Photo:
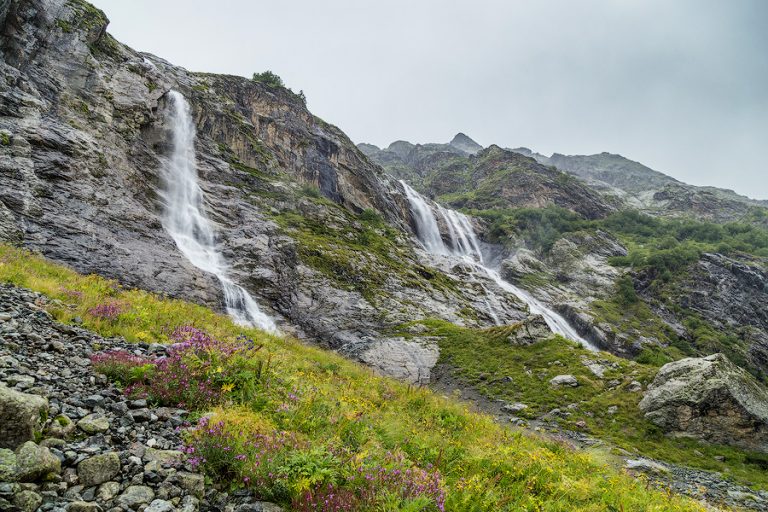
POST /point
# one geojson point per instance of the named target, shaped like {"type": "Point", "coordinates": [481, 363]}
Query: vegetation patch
{"type": "Point", "coordinates": [604, 407]}
{"type": "Point", "coordinates": [324, 418]}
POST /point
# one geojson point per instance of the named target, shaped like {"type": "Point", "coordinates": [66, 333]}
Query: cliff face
{"type": "Point", "coordinates": [308, 224]}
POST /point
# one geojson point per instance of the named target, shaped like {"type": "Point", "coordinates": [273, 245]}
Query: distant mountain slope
{"type": "Point", "coordinates": [652, 191]}
{"type": "Point", "coordinates": [461, 175]}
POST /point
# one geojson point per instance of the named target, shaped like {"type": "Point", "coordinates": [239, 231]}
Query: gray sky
{"type": "Point", "coordinates": [679, 85]}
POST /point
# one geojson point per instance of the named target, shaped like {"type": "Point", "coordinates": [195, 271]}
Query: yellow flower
{"type": "Point", "coordinates": [219, 369]}
{"type": "Point", "coordinates": [227, 387]}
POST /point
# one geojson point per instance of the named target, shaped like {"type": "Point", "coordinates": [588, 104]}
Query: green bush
{"type": "Point", "coordinates": [268, 78]}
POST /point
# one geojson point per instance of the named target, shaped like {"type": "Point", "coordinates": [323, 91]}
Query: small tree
{"type": "Point", "coordinates": [269, 78]}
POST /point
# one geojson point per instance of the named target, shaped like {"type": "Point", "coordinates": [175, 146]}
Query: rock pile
{"type": "Point", "coordinates": [70, 441]}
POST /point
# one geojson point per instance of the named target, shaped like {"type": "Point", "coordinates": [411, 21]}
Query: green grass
{"type": "Point", "coordinates": [358, 252]}
{"type": "Point", "coordinates": [486, 361]}
{"type": "Point", "coordinates": [340, 404]}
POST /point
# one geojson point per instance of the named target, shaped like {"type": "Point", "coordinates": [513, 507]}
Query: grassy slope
{"type": "Point", "coordinates": [485, 360]}
{"type": "Point", "coordinates": [484, 466]}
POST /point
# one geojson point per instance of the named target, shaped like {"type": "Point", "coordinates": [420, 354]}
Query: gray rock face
{"type": "Point", "coordinates": [709, 398]}
{"type": "Point", "coordinates": [21, 416]}
{"type": "Point", "coordinates": [80, 174]}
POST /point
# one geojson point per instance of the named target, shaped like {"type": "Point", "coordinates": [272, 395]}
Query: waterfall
{"type": "Point", "coordinates": [426, 223]}
{"type": "Point", "coordinates": [185, 219]}
{"type": "Point", "coordinates": [465, 244]}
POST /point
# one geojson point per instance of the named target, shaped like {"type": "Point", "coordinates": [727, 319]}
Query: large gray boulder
{"type": "Point", "coordinates": [35, 462]}
{"type": "Point", "coordinates": [709, 398]}
{"type": "Point", "coordinates": [21, 416]}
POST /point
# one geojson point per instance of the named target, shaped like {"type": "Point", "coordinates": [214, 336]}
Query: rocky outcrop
{"type": "Point", "coordinates": [83, 139]}
{"type": "Point", "coordinates": [709, 398]}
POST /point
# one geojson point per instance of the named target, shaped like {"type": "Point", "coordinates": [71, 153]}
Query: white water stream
{"type": "Point", "coordinates": [185, 219]}
{"type": "Point", "coordinates": [465, 245]}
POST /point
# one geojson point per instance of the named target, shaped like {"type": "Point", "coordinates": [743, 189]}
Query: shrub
{"type": "Point", "coordinates": [268, 78]}
{"type": "Point", "coordinates": [107, 311]}
{"type": "Point", "coordinates": [122, 366]}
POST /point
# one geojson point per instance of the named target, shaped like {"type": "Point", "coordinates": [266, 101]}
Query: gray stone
{"type": "Point", "coordinates": [94, 424]}
{"type": "Point", "coordinates": [83, 506]}
{"type": "Point", "coordinates": [564, 380]}
{"type": "Point", "coordinates": [21, 416]}
{"type": "Point", "coordinates": [529, 331]}
{"type": "Point", "coordinates": [61, 426]}
{"type": "Point", "coordinates": [135, 496]}
{"type": "Point", "coordinates": [193, 483]}
{"type": "Point", "coordinates": [107, 491]}
{"type": "Point", "coordinates": [98, 469]}
{"type": "Point", "coordinates": [259, 506]}
{"type": "Point", "coordinates": [7, 465]}
{"type": "Point", "coordinates": [34, 462]}
{"type": "Point", "coordinates": [166, 457]}
{"type": "Point", "coordinates": [646, 466]}
{"type": "Point", "coordinates": [709, 398]}
{"type": "Point", "coordinates": [160, 506]}
{"type": "Point", "coordinates": [514, 408]}
{"type": "Point", "coordinates": [27, 501]}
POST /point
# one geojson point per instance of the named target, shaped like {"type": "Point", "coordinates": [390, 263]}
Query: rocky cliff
{"type": "Point", "coordinates": [318, 233]}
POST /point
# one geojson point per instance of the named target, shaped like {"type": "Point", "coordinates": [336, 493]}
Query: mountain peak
{"type": "Point", "coordinates": [466, 144]}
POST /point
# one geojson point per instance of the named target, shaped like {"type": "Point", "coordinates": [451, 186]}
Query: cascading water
{"type": "Point", "coordinates": [464, 244]}
{"type": "Point", "coordinates": [185, 220]}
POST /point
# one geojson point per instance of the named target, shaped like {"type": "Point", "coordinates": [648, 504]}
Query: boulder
{"type": "Point", "coordinates": [709, 398]}
{"type": "Point", "coordinates": [7, 465]}
{"type": "Point", "coordinates": [34, 462]}
{"type": "Point", "coordinates": [83, 506]}
{"type": "Point", "coordinates": [135, 496]}
{"type": "Point", "coordinates": [27, 501]}
{"type": "Point", "coordinates": [98, 469]}
{"type": "Point", "coordinates": [529, 331]}
{"type": "Point", "coordinates": [21, 416]}
{"type": "Point", "coordinates": [94, 424]}
{"type": "Point", "coordinates": [564, 381]}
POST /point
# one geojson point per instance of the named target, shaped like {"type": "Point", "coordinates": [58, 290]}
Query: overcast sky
{"type": "Point", "coordinates": [679, 85]}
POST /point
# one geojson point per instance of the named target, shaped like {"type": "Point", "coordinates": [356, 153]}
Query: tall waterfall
{"type": "Point", "coordinates": [185, 219]}
{"type": "Point", "coordinates": [464, 244]}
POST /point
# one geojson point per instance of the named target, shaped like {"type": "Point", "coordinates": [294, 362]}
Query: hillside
{"type": "Point", "coordinates": [425, 327]}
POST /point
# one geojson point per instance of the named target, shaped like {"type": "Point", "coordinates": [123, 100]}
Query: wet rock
{"type": "Point", "coordinates": [21, 416]}
{"type": "Point", "coordinates": [709, 398]}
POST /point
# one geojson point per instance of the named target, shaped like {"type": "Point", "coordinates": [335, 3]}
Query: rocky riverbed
{"type": "Point", "coordinates": [71, 441]}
